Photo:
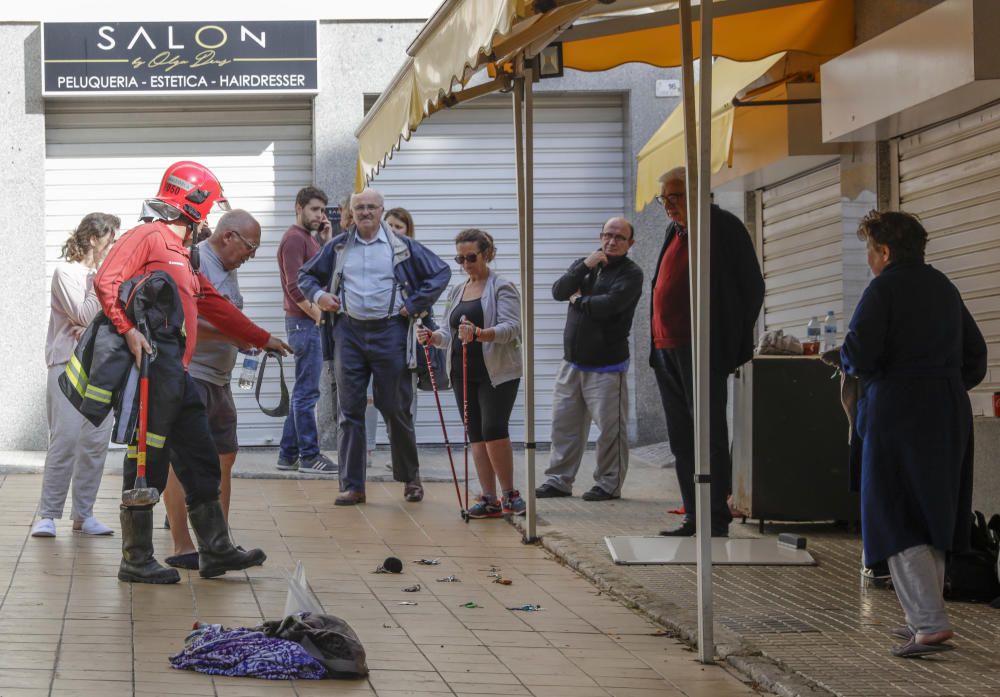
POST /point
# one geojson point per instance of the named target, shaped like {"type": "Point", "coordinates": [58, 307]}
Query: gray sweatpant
{"type": "Point", "coordinates": [578, 398]}
{"type": "Point", "coordinates": [918, 577]}
{"type": "Point", "coordinates": [77, 451]}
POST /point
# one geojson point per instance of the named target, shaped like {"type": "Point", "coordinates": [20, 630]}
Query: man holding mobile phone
{"type": "Point", "coordinates": [300, 439]}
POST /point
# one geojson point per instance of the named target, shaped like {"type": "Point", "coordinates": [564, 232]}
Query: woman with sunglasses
{"type": "Point", "coordinates": [484, 313]}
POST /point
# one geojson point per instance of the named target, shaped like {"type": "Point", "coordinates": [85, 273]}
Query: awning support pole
{"type": "Point", "coordinates": [524, 165]}
{"type": "Point", "coordinates": [698, 148]}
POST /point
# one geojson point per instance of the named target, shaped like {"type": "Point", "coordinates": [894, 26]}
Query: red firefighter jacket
{"type": "Point", "coordinates": [154, 247]}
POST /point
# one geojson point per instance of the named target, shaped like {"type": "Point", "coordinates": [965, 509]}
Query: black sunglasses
{"type": "Point", "coordinates": [470, 258]}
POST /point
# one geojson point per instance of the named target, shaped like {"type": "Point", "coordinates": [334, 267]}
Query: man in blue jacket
{"type": "Point", "coordinates": [372, 284]}
{"type": "Point", "coordinates": [737, 294]}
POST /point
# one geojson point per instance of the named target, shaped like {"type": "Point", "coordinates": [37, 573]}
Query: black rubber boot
{"type": "Point", "coordinates": [138, 564]}
{"type": "Point", "coordinates": [216, 552]}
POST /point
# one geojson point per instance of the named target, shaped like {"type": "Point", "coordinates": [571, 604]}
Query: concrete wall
{"type": "Point", "coordinates": [873, 18]}
{"type": "Point", "coordinates": [24, 310]}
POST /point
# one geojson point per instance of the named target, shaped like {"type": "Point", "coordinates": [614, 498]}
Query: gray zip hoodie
{"type": "Point", "coordinates": [501, 311]}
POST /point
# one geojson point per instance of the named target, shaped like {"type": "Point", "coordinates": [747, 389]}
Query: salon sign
{"type": "Point", "coordinates": [165, 58]}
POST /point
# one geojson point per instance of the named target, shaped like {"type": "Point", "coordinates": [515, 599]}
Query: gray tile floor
{"type": "Point", "coordinates": [69, 628]}
{"type": "Point", "coordinates": [818, 622]}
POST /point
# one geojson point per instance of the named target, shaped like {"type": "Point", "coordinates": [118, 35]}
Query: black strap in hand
{"type": "Point", "coordinates": [282, 408]}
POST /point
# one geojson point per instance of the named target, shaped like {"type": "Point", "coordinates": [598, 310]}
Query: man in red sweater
{"type": "Point", "coordinates": [736, 297]}
{"type": "Point", "coordinates": [187, 192]}
{"type": "Point", "coordinates": [299, 438]}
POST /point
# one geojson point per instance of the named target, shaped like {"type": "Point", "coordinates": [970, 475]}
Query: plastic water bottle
{"type": "Point", "coordinates": [249, 374]}
{"type": "Point", "coordinates": [830, 331]}
{"type": "Point", "coordinates": [814, 330]}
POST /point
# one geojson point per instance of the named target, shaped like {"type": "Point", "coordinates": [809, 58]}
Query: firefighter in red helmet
{"type": "Point", "coordinates": [187, 193]}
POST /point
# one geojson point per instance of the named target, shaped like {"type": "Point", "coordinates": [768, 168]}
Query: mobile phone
{"type": "Point", "coordinates": [333, 214]}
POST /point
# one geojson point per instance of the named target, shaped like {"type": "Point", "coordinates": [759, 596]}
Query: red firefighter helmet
{"type": "Point", "coordinates": [190, 190]}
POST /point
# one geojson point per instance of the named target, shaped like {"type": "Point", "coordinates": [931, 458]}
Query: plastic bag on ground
{"type": "Point", "coordinates": [300, 597]}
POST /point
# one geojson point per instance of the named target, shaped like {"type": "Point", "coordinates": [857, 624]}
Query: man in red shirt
{"type": "Point", "coordinates": [187, 192]}
{"type": "Point", "coordinates": [300, 438]}
{"type": "Point", "coordinates": [737, 294]}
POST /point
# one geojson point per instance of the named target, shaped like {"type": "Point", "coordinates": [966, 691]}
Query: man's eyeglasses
{"type": "Point", "coordinates": [613, 237]}
{"type": "Point", "coordinates": [250, 245]}
{"type": "Point", "coordinates": [673, 199]}
{"type": "Point", "coordinates": [366, 207]}
{"type": "Point", "coordinates": [463, 258]}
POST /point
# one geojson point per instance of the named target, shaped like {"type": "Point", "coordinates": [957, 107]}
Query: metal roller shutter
{"type": "Point", "coordinates": [949, 175]}
{"type": "Point", "coordinates": [109, 156]}
{"type": "Point", "coordinates": [458, 172]}
{"type": "Point", "coordinates": [802, 250]}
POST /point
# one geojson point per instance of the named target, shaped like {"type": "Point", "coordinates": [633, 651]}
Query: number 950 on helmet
{"type": "Point", "coordinates": [190, 189]}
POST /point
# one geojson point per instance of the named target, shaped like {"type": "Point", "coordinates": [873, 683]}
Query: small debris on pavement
{"type": "Point", "coordinates": [471, 604]}
{"type": "Point", "coordinates": [390, 566]}
{"type": "Point", "coordinates": [427, 562]}
{"type": "Point", "coordinates": [407, 602]}
{"type": "Point", "coordinates": [412, 589]}
{"type": "Point", "coordinates": [659, 632]}
{"type": "Point", "coordinates": [503, 581]}
{"type": "Point", "coordinates": [527, 608]}
{"type": "Point", "coordinates": [450, 579]}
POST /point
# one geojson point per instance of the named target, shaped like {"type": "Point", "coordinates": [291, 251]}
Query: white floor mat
{"type": "Point", "coordinates": [682, 550]}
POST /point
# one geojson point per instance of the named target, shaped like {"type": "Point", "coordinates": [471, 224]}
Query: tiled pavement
{"type": "Point", "coordinates": [68, 627]}
{"type": "Point", "coordinates": [818, 626]}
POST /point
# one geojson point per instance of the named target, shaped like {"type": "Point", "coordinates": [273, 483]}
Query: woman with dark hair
{"type": "Point", "coordinates": [917, 351]}
{"type": "Point", "coordinates": [77, 449]}
{"type": "Point", "coordinates": [484, 313]}
{"type": "Point", "coordinates": [400, 221]}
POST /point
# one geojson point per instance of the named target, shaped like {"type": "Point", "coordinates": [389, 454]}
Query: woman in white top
{"type": "Point", "coordinates": [77, 449]}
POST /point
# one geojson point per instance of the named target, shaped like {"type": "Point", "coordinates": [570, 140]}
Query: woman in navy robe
{"type": "Point", "coordinates": [918, 351]}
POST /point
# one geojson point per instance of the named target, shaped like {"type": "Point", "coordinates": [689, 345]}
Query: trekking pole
{"type": "Point", "coordinates": [444, 429]}
{"type": "Point", "coordinates": [465, 413]}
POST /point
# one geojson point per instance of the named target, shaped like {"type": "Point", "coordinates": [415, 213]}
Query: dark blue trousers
{"type": "Point", "coordinates": [674, 377]}
{"type": "Point", "coordinates": [374, 349]}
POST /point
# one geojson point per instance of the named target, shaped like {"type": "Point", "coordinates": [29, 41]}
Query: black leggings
{"type": "Point", "coordinates": [489, 408]}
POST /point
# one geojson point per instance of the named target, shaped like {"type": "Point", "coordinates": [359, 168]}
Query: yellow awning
{"type": "Point", "coordinates": [462, 37]}
{"type": "Point", "coordinates": [665, 150]}
{"type": "Point", "coordinates": [465, 35]}
{"type": "Point", "coordinates": [449, 45]}
{"type": "Point", "coordinates": [821, 28]}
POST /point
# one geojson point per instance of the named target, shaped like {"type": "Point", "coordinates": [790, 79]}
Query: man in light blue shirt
{"type": "Point", "coordinates": [369, 290]}
{"type": "Point", "coordinates": [372, 283]}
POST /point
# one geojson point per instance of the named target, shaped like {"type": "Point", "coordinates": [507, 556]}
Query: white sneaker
{"type": "Point", "coordinates": [45, 527]}
{"type": "Point", "coordinates": [92, 526]}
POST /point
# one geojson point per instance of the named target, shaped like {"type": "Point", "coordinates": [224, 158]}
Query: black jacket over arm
{"type": "Point", "coordinates": [598, 324]}
{"type": "Point", "coordinates": [737, 290]}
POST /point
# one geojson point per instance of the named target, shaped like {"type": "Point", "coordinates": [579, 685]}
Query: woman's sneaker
{"type": "Point", "coordinates": [486, 508]}
{"type": "Point", "coordinates": [513, 503]}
